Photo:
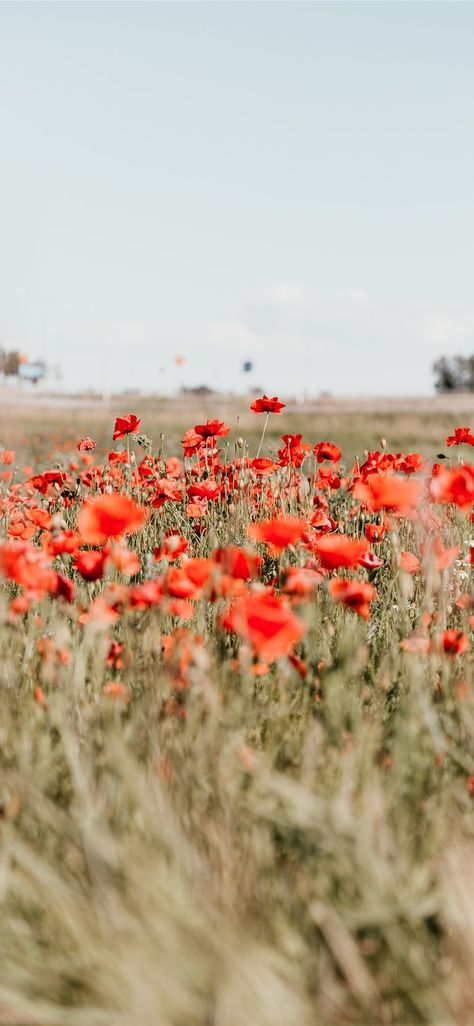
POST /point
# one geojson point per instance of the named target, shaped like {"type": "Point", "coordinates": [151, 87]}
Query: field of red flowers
{"type": "Point", "coordinates": [236, 732]}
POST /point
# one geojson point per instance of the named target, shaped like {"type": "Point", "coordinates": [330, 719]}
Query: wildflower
{"type": "Point", "coordinates": [461, 435]}
{"type": "Point", "coordinates": [335, 550]}
{"type": "Point", "coordinates": [85, 444]}
{"type": "Point", "coordinates": [386, 491]}
{"type": "Point", "coordinates": [327, 451]}
{"type": "Point", "coordinates": [293, 452]}
{"type": "Point", "coordinates": [279, 533]}
{"type": "Point", "coordinates": [205, 490]}
{"type": "Point", "coordinates": [301, 581]}
{"type": "Point", "coordinates": [375, 532]}
{"type": "Point", "coordinates": [357, 595]}
{"type": "Point", "coordinates": [409, 563]}
{"type": "Point", "coordinates": [454, 486]}
{"type": "Point", "coordinates": [166, 491]}
{"type": "Point", "coordinates": [212, 429]}
{"type": "Point", "coordinates": [192, 442]}
{"type": "Point", "coordinates": [126, 425]}
{"type": "Point", "coordinates": [370, 561]}
{"type": "Point", "coordinates": [238, 563]}
{"type": "Point", "coordinates": [172, 548]}
{"type": "Point", "coordinates": [266, 622]}
{"type": "Point", "coordinates": [266, 405]}
{"type": "Point", "coordinates": [90, 564]}
{"type": "Point", "coordinates": [262, 466]}
{"type": "Point", "coordinates": [454, 642]}
{"type": "Point", "coordinates": [109, 516]}
{"type": "Point", "coordinates": [125, 560]}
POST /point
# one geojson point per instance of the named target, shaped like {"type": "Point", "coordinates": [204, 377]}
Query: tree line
{"type": "Point", "coordinates": [454, 374]}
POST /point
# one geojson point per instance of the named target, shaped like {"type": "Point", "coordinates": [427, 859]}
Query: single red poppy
{"type": "Point", "coordinates": [327, 451]}
{"type": "Point", "coordinates": [267, 405]}
{"type": "Point", "coordinates": [357, 595]}
{"type": "Point", "coordinates": [267, 622]}
{"type": "Point", "coordinates": [126, 425]}
{"type": "Point", "coordinates": [109, 516]}
{"type": "Point", "coordinates": [461, 435]}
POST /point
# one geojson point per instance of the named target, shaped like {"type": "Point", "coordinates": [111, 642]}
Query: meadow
{"type": "Point", "coordinates": [236, 714]}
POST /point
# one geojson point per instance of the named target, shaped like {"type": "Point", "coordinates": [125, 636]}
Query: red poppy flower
{"type": "Point", "coordinates": [192, 442]}
{"type": "Point", "coordinates": [205, 490]}
{"type": "Point", "coordinates": [266, 405]}
{"type": "Point", "coordinates": [461, 435]}
{"type": "Point", "coordinates": [454, 486]}
{"type": "Point", "coordinates": [143, 596]}
{"type": "Point", "coordinates": [212, 429]}
{"type": "Point", "coordinates": [293, 452]}
{"type": "Point", "coordinates": [64, 541]}
{"type": "Point", "coordinates": [327, 451]}
{"type": "Point", "coordinates": [335, 550]}
{"type": "Point", "coordinates": [301, 581]}
{"type": "Point", "coordinates": [385, 491]}
{"type": "Point", "coordinates": [262, 466]}
{"type": "Point", "coordinates": [375, 532]}
{"type": "Point", "coordinates": [198, 508]}
{"type": "Point", "coordinates": [7, 456]}
{"type": "Point", "coordinates": [173, 546]}
{"type": "Point", "coordinates": [412, 463]}
{"type": "Point", "coordinates": [109, 516]}
{"type": "Point", "coordinates": [166, 491]}
{"type": "Point", "coordinates": [357, 595]}
{"type": "Point", "coordinates": [126, 425]}
{"type": "Point", "coordinates": [118, 457]}
{"type": "Point", "coordinates": [179, 585]}
{"type": "Point", "coordinates": [29, 567]}
{"type": "Point", "coordinates": [266, 622]}
{"type": "Point", "coordinates": [278, 533]}
{"type": "Point", "coordinates": [409, 563]}
{"type": "Point", "coordinates": [238, 563]}
{"type": "Point", "coordinates": [370, 561]}
{"type": "Point", "coordinates": [125, 560]}
{"type": "Point", "coordinates": [454, 642]}
{"type": "Point", "coordinates": [91, 563]}
{"type": "Point", "coordinates": [85, 444]}
{"type": "Point", "coordinates": [40, 517]}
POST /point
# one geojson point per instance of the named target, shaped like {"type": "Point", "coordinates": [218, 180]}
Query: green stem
{"type": "Point", "coordinates": [263, 435]}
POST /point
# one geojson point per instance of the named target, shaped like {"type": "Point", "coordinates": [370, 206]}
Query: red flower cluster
{"type": "Point", "coordinates": [143, 535]}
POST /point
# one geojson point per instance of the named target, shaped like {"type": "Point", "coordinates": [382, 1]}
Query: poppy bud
{"type": "Point", "coordinates": [383, 443]}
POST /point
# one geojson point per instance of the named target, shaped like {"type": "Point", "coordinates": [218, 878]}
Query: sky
{"type": "Point", "coordinates": [286, 183]}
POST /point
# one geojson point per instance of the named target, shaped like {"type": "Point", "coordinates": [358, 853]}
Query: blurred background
{"type": "Point", "coordinates": [270, 196]}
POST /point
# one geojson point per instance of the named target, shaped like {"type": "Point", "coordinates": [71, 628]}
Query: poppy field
{"type": "Point", "coordinates": [236, 729]}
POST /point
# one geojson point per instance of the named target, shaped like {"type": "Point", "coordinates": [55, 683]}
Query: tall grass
{"type": "Point", "coordinates": [227, 850]}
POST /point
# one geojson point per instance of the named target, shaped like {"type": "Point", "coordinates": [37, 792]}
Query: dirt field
{"type": "Point", "coordinates": [34, 423]}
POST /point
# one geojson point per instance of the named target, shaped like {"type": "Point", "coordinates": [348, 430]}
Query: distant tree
{"type": "Point", "coordinates": [9, 362]}
{"type": "Point", "coordinates": [199, 390]}
{"type": "Point", "coordinates": [455, 374]}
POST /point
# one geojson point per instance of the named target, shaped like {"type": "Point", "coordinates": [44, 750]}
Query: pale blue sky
{"type": "Point", "coordinates": [285, 183]}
